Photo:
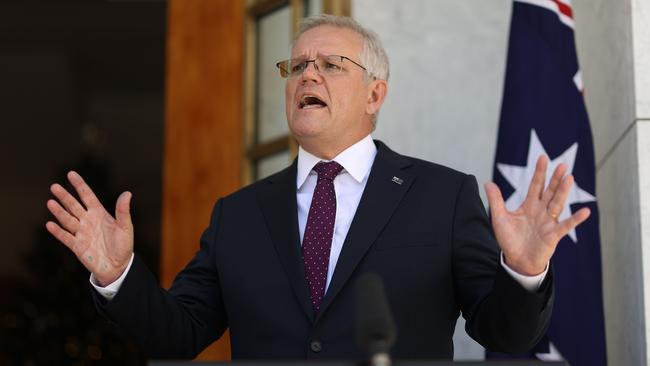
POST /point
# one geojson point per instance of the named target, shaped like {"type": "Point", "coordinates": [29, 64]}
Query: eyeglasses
{"type": "Point", "coordinates": [327, 65]}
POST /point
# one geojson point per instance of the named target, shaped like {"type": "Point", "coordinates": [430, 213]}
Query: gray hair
{"type": "Point", "coordinates": [373, 56]}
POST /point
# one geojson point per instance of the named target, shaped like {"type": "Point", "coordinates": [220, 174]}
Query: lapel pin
{"type": "Point", "coordinates": [398, 180]}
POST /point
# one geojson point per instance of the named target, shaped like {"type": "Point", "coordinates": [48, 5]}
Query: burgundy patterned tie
{"type": "Point", "coordinates": [319, 230]}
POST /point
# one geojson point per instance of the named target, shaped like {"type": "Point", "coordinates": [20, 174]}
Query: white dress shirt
{"type": "Point", "coordinates": [356, 161]}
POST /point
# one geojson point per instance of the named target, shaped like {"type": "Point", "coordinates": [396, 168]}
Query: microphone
{"type": "Point", "coordinates": [376, 331]}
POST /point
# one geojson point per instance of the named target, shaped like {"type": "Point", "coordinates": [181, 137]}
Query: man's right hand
{"type": "Point", "coordinates": [103, 244]}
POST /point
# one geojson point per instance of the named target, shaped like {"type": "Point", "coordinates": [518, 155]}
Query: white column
{"type": "Point", "coordinates": [614, 49]}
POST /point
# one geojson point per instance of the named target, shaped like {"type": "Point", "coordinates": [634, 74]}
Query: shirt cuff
{"type": "Point", "coordinates": [111, 290]}
{"type": "Point", "coordinates": [530, 283]}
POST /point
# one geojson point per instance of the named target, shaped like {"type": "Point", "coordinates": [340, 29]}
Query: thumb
{"type": "Point", "coordinates": [123, 210]}
{"type": "Point", "coordinates": [495, 200]}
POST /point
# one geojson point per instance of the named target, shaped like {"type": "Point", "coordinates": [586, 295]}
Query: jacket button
{"type": "Point", "coordinates": [316, 346]}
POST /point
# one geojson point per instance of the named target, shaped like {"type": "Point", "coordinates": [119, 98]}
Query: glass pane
{"type": "Point", "coordinates": [313, 7]}
{"type": "Point", "coordinates": [272, 164]}
{"type": "Point", "coordinates": [274, 39]}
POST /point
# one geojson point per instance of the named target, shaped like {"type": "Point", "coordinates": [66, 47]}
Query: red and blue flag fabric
{"type": "Point", "coordinates": [543, 112]}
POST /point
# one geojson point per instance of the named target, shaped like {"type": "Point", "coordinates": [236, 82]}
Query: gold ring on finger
{"type": "Point", "coordinates": [553, 215]}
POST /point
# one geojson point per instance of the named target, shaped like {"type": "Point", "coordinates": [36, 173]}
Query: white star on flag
{"type": "Point", "coordinates": [552, 355]}
{"type": "Point", "coordinates": [519, 178]}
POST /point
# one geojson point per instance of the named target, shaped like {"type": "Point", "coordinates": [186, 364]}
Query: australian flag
{"type": "Point", "coordinates": [543, 112]}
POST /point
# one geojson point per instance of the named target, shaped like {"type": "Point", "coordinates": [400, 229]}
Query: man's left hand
{"type": "Point", "coordinates": [529, 235]}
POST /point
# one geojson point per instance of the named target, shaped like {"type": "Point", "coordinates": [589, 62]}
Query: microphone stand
{"type": "Point", "coordinates": [376, 331]}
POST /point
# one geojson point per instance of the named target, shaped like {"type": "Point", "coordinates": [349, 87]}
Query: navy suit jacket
{"type": "Point", "coordinates": [428, 237]}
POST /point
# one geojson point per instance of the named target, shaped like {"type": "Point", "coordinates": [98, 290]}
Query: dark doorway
{"type": "Point", "coordinates": [81, 87]}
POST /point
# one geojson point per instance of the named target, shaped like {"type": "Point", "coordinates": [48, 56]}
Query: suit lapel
{"type": "Point", "coordinates": [278, 203]}
{"type": "Point", "coordinates": [386, 186]}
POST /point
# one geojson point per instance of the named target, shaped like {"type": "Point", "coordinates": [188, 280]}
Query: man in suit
{"type": "Point", "coordinates": [278, 261]}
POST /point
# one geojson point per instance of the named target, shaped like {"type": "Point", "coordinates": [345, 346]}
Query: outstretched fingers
{"type": "Point", "coordinates": [495, 200]}
{"type": "Point", "coordinates": [553, 185]}
{"type": "Point", "coordinates": [123, 211]}
{"type": "Point", "coordinates": [67, 200]}
{"type": "Point", "coordinates": [536, 187]}
{"type": "Point", "coordinates": [69, 222]}
{"type": "Point", "coordinates": [574, 220]}
{"type": "Point", "coordinates": [556, 205]}
{"type": "Point", "coordinates": [61, 235]}
{"type": "Point", "coordinates": [83, 190]}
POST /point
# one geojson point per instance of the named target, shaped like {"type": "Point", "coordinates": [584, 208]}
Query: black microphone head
{"type": "Point", "coordinates": [375, 325]}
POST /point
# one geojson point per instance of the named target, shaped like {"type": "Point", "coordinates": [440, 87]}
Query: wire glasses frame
{"type": "Point", "coordinates": [328, 65]}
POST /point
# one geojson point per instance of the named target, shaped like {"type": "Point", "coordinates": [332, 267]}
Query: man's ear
{"type": "Point", "coordinates": [377, 90]}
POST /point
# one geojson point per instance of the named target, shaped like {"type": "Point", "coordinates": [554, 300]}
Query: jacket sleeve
{"type": "Point", "coordinates": [178, 323]}
{"type": "Point", "coordinates": [501, 315]}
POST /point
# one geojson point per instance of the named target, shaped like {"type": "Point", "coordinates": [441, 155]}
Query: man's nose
{"type": "Point", "coordinates": [311, 72]}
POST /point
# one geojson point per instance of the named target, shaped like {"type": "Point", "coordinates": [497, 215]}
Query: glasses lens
{"type": "Point", "coordinates": [297, 66]}
{"type": "Point", "coordinates": [331, 64]}
{"type": "Point", "coordinates": [325, 64]}
{"type": "Point", "coordinates": [283, 66]}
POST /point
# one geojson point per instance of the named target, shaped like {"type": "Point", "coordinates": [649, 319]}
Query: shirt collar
{"type": "Point", "coordinates": [356, 160]}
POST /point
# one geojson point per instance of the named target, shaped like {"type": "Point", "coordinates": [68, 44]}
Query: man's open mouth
{"type": "Point", "coordinates": [311, 102]}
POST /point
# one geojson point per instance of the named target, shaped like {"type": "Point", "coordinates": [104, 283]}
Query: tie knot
{"type": "Point", "coordinates": [328, 170]}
